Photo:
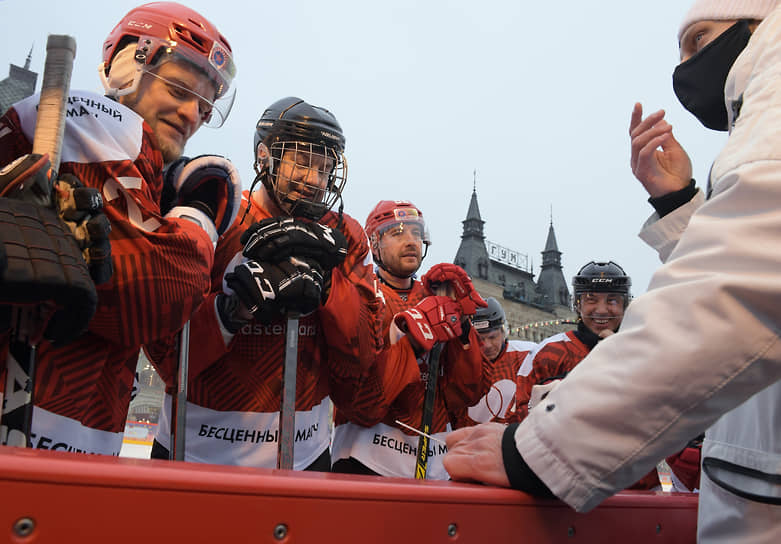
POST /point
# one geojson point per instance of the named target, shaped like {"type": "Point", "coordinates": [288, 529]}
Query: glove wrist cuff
{"type": "Point", "coordinates": [227, 312]}
{"type": "Point", "coordinates": [196, 216]}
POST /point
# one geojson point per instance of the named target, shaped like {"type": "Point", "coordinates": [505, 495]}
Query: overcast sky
{"type": "Point", "coordinates": [536, 101]}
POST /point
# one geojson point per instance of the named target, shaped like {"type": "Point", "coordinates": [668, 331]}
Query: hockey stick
{"type": "Point", "coordinates": [421, 461]}
{"type": "Point", "coordinates": [17, 413]}
{"type": "Point", "coordinates": [179, 400]}
{"type": "Point", "coordinates": [287, 412]}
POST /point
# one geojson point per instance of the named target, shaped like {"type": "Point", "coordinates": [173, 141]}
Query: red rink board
{"type": "Point", "coordinates": [79, 498]}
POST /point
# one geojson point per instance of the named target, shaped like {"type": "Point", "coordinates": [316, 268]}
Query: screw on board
{"type": "Point", "coordinates": [280, 531]}
{"type": "Point", "coordinates": [570, 532]}
{"type": "Point", "coordinates": [658, 528]}
{"type": "Point", "coordinates": [24, 527]}
{"type": "Point", "coordinates": [452, 530]}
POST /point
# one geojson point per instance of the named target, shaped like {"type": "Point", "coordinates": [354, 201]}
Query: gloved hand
{"type": "Point", "coordinates": [434, 319]}
{"type": "Point", "coordinates": [539, 392]}
{"type": "Point", "coordinates": [462, 289]}
{"type": "Point", "coordinates": [29, 178]}
{"type": "Point", "coordinates": [44, 269]}
{"type": "Point", "coordinates": [278, 238]}
{"type": "Point", "coordinates": [268, 291]}
{"type": "Point", "coordinates": [81, 209]}
{"type": "Point", "coordinates": [208, 183]}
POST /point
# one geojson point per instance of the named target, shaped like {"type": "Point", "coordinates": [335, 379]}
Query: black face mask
{"type": "Point", "coordinates": [699, 82]}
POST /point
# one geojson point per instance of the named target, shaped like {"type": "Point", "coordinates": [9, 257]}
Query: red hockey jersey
{"type": "Point", "coordinates": [387, 448]}
{"type": "Point", "coordinates": [235, 389]}
{"type": "Point", "coordinates": [498, 404]}
{"type": "Point", "coordinates": [161, 272]}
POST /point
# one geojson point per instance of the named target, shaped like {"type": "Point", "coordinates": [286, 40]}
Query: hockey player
{"type": "Point", "coordinates": [700, 349]}
{"type": "Point", "coordinates": [165, 70]}
{"type": "Point", "coordinates": [506, 357]}
{"type": "Point", "coordinates": [291, 253]}
{"type": "Point", "coordinates": [399, 240]}
{"type": "Point", "coordinates": [601, 294]}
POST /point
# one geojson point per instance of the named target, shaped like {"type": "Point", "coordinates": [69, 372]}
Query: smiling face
{"type": "Point", "coordinates": [171, 101]}
{"type": "Point", "coordinates": [601, 311]}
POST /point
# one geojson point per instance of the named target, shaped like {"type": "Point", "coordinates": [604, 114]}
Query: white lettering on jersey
{"type": "Point", "coordinates": [115, 188]}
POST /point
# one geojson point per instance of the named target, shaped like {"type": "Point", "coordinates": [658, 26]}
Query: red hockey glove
{"type": "Point", "coordinates": [209, 183]}
{"type": "Point", "coordinates": [278, 238]}
{"type": "Point", "coordinates": [462, 289]}
{"type": "Point", "coordinates": [434, 319]}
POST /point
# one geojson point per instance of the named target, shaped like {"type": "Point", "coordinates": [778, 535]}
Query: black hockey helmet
{"type": "Point", "coordinates": [601, 277]}
{"type": "Point", "coordinates": [489, 318]}
{"type": "Point", "coordinates": [293, 125]}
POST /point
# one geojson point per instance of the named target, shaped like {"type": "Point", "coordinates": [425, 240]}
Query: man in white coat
{"type": "Point", "coordinates": [712, 312]}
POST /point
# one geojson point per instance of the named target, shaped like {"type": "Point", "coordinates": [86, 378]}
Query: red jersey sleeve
{"type": "Point", "coordinates": [352, 325]}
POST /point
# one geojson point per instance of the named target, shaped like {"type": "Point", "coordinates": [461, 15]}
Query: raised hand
{"type": "Point", "coordinates": [661, 171]}
{"type": "Point", "coordinates": [461, 288]}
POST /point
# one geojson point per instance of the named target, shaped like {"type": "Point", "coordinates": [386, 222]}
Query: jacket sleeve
{"type": "Point", "coordinates": [702, 340]}
{"type": "Point", "coordinates": [662, 234]}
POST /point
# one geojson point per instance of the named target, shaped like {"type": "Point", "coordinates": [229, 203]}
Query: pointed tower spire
{"type": "Point", "coordinates": [551, 283]}
{"type": "Point", "coordinates": [29, 57]}
{"type": "Point", "coordinates": [472, 255]}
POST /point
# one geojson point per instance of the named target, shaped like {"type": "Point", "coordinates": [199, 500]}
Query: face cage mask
{"type": "Point", "coordinates": [306, 180]}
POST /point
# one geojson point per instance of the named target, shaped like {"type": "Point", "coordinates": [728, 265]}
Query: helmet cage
{"type": "Point", "coordinates": [314, 173]}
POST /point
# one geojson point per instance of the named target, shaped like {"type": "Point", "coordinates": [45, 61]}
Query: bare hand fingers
{"type": "Point", "coordinates": [637, 116]}
{"type": "Point", "coordinates": [641, 141]}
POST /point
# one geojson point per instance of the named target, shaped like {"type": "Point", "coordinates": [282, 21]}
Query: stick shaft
{"type": "Point", "coordinates": [50, 124]}
{"type": "Point", "coordinates": [287, 412]}
{"type": "Point", "coordinates": [179, 406]}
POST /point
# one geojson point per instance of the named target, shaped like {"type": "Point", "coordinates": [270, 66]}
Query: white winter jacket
{"type": "Point", "coordinates": [703, 339]}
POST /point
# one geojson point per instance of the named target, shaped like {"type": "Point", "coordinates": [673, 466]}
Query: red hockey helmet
{"type": "Point", "coordinates": [167, 31]}
{"type": "Point", "coordinates": [391, 213]}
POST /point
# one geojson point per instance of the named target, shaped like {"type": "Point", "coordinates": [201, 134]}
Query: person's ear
{"type": "Point", "coordinates": [262, 156]}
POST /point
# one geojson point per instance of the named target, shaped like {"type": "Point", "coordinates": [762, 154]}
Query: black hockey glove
{"type": "Point", "coordinates": [45, 266]}
{"type": "Point", "coordinates": [81, 209]}
{"type": "Point", "coordinates": [29, 178]}
{"type": "Point", "coordinates": [275, 239]}
{"type": "Point", "coordinates": [269, 291]}
{"type": "Point", "coordinates": [209, 183]}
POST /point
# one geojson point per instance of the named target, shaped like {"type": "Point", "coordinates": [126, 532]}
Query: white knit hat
{"type": "Point", "coordinates": [719, 10]}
